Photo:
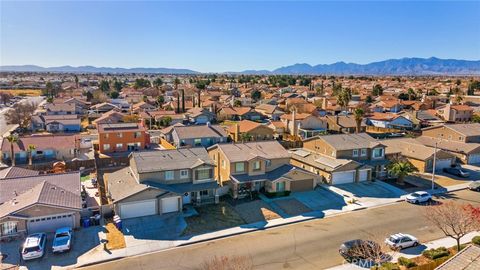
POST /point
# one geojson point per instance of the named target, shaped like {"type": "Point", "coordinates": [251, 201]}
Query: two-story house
{"type": "Point", "coordinates": [304, 125]}
{"type": "Point", "coordinates": [160, 182]}
{"type": "Point", "coordinates": [342, 158]}
{"type": "Point", "coordinates": [258, 167]}
{"type": "Point", "coordinates": [239, 113]}
{"type": "Point", "coordinates": [56, 123]}
{"type": "Point", "coordinates": [455, 113]}
{"type": "Point", "coordinates": [122, 137]}
{"type": "Point", "coordinates": [247, 130]}
{"type": "Point", "coordinates": [461, 140]}
{"type": "Point", "coordinates": [63, 108]}
{"type": "Point", "coordinates": [194, 136]}
{"type": "Point", "coordinates": [389, 120]}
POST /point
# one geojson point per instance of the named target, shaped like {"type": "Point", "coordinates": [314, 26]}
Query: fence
{"type": "Point", "coordinates": [431, 265]}
{"type": "Point", "coordinates": [73, 165]}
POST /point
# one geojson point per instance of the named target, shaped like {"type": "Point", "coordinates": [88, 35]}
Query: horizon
{"type": "Point", "coordinates": [213, 37]}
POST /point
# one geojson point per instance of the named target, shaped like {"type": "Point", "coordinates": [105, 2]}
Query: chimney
{"type": "Point", "coordinates": [324, 103]}
{"type": "Point", "coordinates": [237, 133]}
{"type": "Point", "coordinates": [293, 130]}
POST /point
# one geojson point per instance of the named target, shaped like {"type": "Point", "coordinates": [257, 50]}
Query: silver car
{"type": "Point", "coordinates": [34, 246]}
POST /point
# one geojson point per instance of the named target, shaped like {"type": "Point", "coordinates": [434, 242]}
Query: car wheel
{"type": "Point", "coordinates": [415, 244]}
{"type": "Point", "coordinates": [416, 202]}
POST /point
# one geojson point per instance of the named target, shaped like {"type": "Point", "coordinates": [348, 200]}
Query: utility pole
{"type": "Point", "coordinates": [434, 159]}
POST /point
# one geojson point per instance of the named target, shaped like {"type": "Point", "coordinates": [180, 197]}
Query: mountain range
{"type": "Point", "coordinates": [403, 66]}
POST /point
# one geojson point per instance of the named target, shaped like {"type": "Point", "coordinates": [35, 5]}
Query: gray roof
{"type": "Point", "coordinates": [467, 259]}
{"type": "Point", "coordinates": [458, 147]}
{"type": "Point", "coordinates": [408, 147]}
{"type": "Point", "coordinates": [17, 172]}
{"type": "Point", "coordinates": [121, 184]}
{"type": "Point", "coordinates": [349, 141]}
{"type": "Point", "coordinates": [346, 121]}
{"type": "Point", "coordinates": [164, 160]}
{"type": "Point", "coordinates": [466, 129]}
{"type": "Point", "coordinates": [203, 131]}
{"type": "Point", "coordinates": [320, 161]}
{"type": "Point", "coordinates": [269, 176]}
{"type": "Point", "coordinates": [183, 187]}
{"type": "Point", "coordinates": [246, 151]}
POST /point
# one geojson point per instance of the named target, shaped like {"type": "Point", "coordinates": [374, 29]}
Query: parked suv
{"type": "Point", "coordinates": [457, 171]}
{"type": "Point", "coordinates": [34, 246]}
{"type": "Point", "coordinates": [401, 241]}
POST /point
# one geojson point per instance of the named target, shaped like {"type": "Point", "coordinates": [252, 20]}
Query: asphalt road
{"type": "Point", "coordinates": [307, 245]}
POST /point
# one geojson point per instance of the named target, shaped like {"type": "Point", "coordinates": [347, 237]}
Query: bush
{"type": "Point", "coordinates": [406, 262]}
{"type": "Point", "coordinates": [436, 253]}
{"type": "Point", "coordinates": [476, 240]}
{"type": "Point", "coordinates": [386, 266]}
{"type": "Point", "coordinates": [277, 194]}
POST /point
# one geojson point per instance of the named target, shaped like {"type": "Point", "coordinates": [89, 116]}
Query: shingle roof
{"type": "Point", "coordinates": [163, 160]}
{"type": "Point", "coordinates": [346, 121]}
{"type": "Point", "coordinates": [247, 151]}
{"type": "Point", "coordinates": [269, 176]}
{"type": "Point", "coordinates": [245, 126]}
{"type": "Point", "coordinates": [42, 142]}
{"type": "Point", "coordinates": [121, 184]}
{"type": "Point", "coordinates": [323, 162]}
{"type": "Point", "coordinates": [408, 147]}
{"type": "Point", "coordinates": [450, 145]}
{"type": "Point", "coordinates": [12, 172]}
{"type": "Point", "coordinates": [467, 259]}
{"type": "Point", "coordinates": [200, 131]}
{"type": "Point", "coordinates": [466, 129]}
{"type": "Point", "coordinates": [348, 141]}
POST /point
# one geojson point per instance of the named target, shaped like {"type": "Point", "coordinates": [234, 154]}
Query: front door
{"type": "Point", "coordinates": [280, 186]}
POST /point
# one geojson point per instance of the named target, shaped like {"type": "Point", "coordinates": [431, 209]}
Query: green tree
{"type": "Point", "coordinates": [160, 101]}
{"type": "Point", "coordinates": [400, 169]}
{"type": "Point", "coordinates": [117, 85]}
{"type": "Point", "coordinates": [377, 90]}
{"type": "Point", "coordinates": [176, 82]}
{"type": "Point", "coordinates": [114, 94]}
{"type": "Point", "coordinates": [344, 97]}
{"type": "Point", "coordinates": [237, 103]}
{"type": "Point", "coordinates": [359, 113]}
{"type": "Point", "coordinates": [476, 118]}
{"type": "Point", "coordinates": [12, 138]}
{"type": "Point", "coordinates": [411, 94]}
{"type": "Point", "coordinates": [76, 81]}
{"type": "Point", "coordinates": [141, 83]}
{"type": "Point", "coordinates": [30, 150]}
{"type": "Point", "coordinates": [369, 99]}
{"type": "Point", "coordinates": [256, 95]}
{"type": "Point", "coordinates": [104, 86]}
{"type": "Point", "coordinates": [472, 87]}
{"type": "Point", "coordinates": [48, 89]}
{"type": "Point", "coordinates": [158, 83]}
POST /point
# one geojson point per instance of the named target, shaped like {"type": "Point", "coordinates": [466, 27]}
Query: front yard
{"type": "Point", "coordinates": [213, 218]}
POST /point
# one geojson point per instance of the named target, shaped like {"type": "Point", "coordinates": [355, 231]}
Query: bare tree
{"type": "Point", "coordinates": [370, 252]}
{"type": "Point", "coordinates": [453, 219]}
{"type": "Point", "coordinates": [5, 97]}
{"type": "Point", "coordinates": [20, 114]}
{"type": "Point", "coordinates": [227, 263]}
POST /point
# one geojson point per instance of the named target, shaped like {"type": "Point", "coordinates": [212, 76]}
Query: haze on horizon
{"type": "Point", "coordinates": [234, 36]}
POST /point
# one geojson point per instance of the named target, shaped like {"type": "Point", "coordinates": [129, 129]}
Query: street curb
{"type": "Point", "coordinates": [101, 261]}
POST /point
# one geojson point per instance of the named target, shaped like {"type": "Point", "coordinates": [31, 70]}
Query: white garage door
{"type": "Point", "coordinates": [50, 223]}
{"type": "Point", "coordinates": [363, 175]}
{"type": "Point", "coordinates": [169, 205]}
{"type": "Point", "coordinates": [473, 159]}
{"type": "Point", "coordinates": [343, 177]}
{"type": "Point", "coordinates": [138, 209]}
{"type": "Point", "coordinates": [442, 163]}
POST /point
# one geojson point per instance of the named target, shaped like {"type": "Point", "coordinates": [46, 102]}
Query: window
{"type": "Point", "coordinates": [460, 138]}
{"type": "Point", "coordinates": [137, 134]}
{"type": "Point", "coordinates": [256, 165]}
{"type": "Point", "coordinates": [106, 146]}
{"type": "Point", "coordinates": [204, 192]}
{"type": "Point", "coordinates": [8, 228]}
{"type": "Point", "coordinates": [268, 163]}
{"type": "Point", "coordinates": [355, 152]}
{"type": "Point", "coordinates": [169, 175]}
{"type": "Point", "coordinates": [120, 135]}
{"type": "Point", "coordinates": [106, 136]}
{"type": "Point", "coordinates": [239, 167]}
{"type": "Point", "coordinates": [197, 142]}
{"type": "Point", "coordinates": [119, 146]}
{"type": "Point", "coordinates": [364, 152]}
{"type": "Point", "coordinates": [184, 174]}
{"type": "Point", "coordinates": [224, 164]}
{"type": "Point", "coordinates": [204, 173]}
{"type": "Point", "coordinates": [377, 152]}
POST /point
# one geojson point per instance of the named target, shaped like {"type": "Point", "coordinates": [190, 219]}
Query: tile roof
{"type": "Point", "coordinates": [346, 121]}
{"type": "Point", "coordinates": [12, 172]}
{"type": "Point", "coordinates": [298, 116]}
{"type": "Point", "coordinates": [467, 259]}
{"type": "Point", "coordinates": [109, 117]}
{"type": "Point", "coordinates": [164, 160]}
{"type": "Point", "coordinates": [245, 126]}
{"type": "Point", "coordinates": [348, 141]}
{"type": "Point", "coordinates": [42, 142]}
{"type": "Point", "coordinates": [408, 147]}
{"type": "Point", "coordinates": [465, 129]}
{"type": "Point", "coordinates": [199, 131]}
{"type": "Point", "coordinates": [458, 147]}
{"type": "Point", "coordinates": [247, 151]}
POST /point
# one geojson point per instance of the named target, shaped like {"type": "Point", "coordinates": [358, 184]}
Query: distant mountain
{"type": "Point", "coordinates": [404, 66]}
{"type": "Point", "coordinates": [91, 69]}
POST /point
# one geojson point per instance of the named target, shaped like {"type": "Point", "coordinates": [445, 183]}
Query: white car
{"type": "Point", "coordinates": [62, 240]}
{"type": "Point", "coordinates": [418, 197]}
{"type": "Point", "coordinates": [401, 241]}
{"type": "Point", "coordinates": [34, 246]}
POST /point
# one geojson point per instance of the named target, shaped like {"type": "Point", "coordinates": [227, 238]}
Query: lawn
{"type": "Point", "coordinates": [85, 177]}
{"type": "Point", "coordinates": [23, 92]}
{"type": "Point", "coordinates": [212, 218]}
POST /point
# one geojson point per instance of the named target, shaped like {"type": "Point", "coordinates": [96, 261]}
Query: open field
{"type": "Point", "coordinates": [23, 92]}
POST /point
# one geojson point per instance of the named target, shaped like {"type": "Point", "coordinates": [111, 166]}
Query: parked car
{"type": "Point", "coordinates": [34, 246]}
{"type": "Point", "coordinates": [457, 171]}
{"type": "Point", "coordinates": [418, 197]}
{"type": "Point", "coordinates": [401, 240]}
{"type": "Point", "coordinates": [349, 252]}
{"type": "Point", "coordinates": [86, 143]}
{"type": "Point", "coordinates": [475, 186]}
{"type": "Point", "coordinates": [62, 240]}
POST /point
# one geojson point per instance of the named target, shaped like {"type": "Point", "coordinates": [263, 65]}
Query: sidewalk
{"type": "Point", "coordinates": [416, 251]}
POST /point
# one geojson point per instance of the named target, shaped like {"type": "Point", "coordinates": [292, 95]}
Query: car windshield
{"type": "Point", "coordinates": [62, 234]}
{"type": "Point", "coordinates": [394, 240]}
{"type": "Point", "coordinates": [32, 249]}
{"type": "Point", "coordinates": [415, 195]}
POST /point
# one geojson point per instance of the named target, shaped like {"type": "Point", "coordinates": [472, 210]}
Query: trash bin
{"type": "Point", "coordinates": [118, 224]}
{"type": "Point", "coordinates": [86, 222]}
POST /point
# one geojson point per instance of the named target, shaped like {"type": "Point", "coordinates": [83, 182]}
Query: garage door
{"type": "Point", "coordinates": [138, 209]}
{"type": "Point", "coordinates": [301, 185]}
{"type": "Point", "coordinates": [50, 223]}
{"type": "Point", "coordinates": [343, 177]}
{"type": "Point", "coordinates": [363, 176]}
{"type": "Point", "coordinates": [474, 159]}
{"type": "Point", "coordinates": [170, 204]}
{"type": "Point", "coordinates": [442, 163]}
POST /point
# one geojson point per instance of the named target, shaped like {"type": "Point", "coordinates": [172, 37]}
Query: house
{"type": "Point", "coordinates": [258, 167]}
{"type": "Point", "coordinates": [419, 155]}
{"type": "Point", "coordinates": [389, 120]}
{"type": "Point", "coordinates": [199, 116]}
{"type": "Point", "coordinates": [40, 203]}
{"type": "Point", "coordinates": [121, 103]}
{"type": "Point", "coordinates": [455, 113]}
{"type": "Point", "coordinates": [110, 117]}
{"type": "Point", "coordinates": [422, 118]}
{"type": "Point", "coordinates": [461, 140]}
{"type": "Point", "coordinates": [341, 149]}
{"type": "Point", "coordinates": [14, 171]}
{"type": "Point", "coordinates": [56, 123]}
{"type": "Point", "coordinates": [239, 113]}
{"type": "Point", "coordinates": [160, 182]}
{"type": "Point", "coordinates": [247, 130]}
{"type": "Point", "coordinates": [122, 137]}
{"type": "Point", "coordinates": [279, 129]}
{"type": "Point", "coordinates": [344, 124]}
{"type": "Point", "coordinates": [142, 106]}
{"type": "Point", "coordinates": [103, 107]}
{"type": "Point", "coordinates": [47, 148]}
{"type": "Point", "coordinates": [467, 259]}
{"type": "Point", "coordinates": [62, 108]}
{"type": "Point", "coordinates": [270, 111]}
{"type": "Point", "coordinates": [304, 125]}
{"type": "Point", "coordinates": [194, 136]}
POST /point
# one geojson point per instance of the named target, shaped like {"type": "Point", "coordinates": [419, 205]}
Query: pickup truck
{"type": "Point", "coordinates": [63, 240]}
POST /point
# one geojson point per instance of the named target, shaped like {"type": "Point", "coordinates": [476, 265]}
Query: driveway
{"type": "Point", "coordinates": [320, 199]}
{"type": "Point", "coordinates": [84, 240]}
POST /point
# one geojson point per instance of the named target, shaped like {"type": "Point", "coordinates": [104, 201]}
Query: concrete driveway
{"type": "Point", "coordinates": [320, 199]}
{"type": "Point", "coordinates": [84, 240]}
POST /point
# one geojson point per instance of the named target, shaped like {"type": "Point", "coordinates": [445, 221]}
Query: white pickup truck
{"type": "Point", "coordinates": [63, 240]}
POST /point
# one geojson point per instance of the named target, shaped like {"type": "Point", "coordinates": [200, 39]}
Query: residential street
{"type": "Point", "coordinates": [306, 245]}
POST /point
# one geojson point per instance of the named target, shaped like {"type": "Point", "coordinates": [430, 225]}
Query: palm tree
{"type": "Point", "coordinates": [400, 169]}
{"type": "Point", "coordinates": [12, 138]}
{"type": "Point", "coordinates": [358, 113]}
{"type": "Point", "coordinates": [31, 148]}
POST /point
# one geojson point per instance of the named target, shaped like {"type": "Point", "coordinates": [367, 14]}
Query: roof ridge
{"type": "Point", "coordinates": [42, 175]}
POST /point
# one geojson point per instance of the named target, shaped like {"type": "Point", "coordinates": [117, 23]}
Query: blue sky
{"type": "Point", "coordinates": [234, 36]}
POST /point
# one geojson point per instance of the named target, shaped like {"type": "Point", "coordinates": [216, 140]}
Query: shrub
{"type": "Point", "coordinates": [277, 194]}
{"type": "Point", "coordinates": [436, 253]}
{"type": "Point", "coordinates": [406, 262]}
{"type": "Point", "coordinates": [386, 266]}
{"type": "Point", "coordinates": [476, 240]}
